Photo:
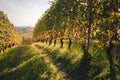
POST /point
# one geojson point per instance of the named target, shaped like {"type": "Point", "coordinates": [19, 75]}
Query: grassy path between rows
{"type": "Point", "coordinates": [45, 62]}
{"type": "Point", "coordinates": [29, 63]}
{"type": "Point", "coordinates": [50, 60]}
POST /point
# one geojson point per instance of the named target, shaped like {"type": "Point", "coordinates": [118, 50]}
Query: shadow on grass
{"type": "Point", "coordinates": [13, 58]}
{"type": "Point", "coordinates": [9, 75]}
{"type": "Point", "coordinates": [23, 63]}
{"type": "Point", "coordinates": [86, 67]}
{"type": "Point", "coordinates": [33, 70]}
{"type": "Point", "coordinates": [81, 72]}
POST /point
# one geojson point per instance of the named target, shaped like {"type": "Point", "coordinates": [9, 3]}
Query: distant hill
{"type": "Point", "coordinates": [25, 31]}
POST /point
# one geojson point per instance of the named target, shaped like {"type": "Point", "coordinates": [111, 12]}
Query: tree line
{"type": "Point", "coordinates": [88, 21]}
{"type": "Point", "coordinates": [9, 36]}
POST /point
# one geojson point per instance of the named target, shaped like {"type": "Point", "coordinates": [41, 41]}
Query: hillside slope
{"type": "Point", "coordinates": [25, 31]}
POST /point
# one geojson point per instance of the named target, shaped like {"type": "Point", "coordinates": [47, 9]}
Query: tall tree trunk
{"type": "Point", "coordinates": [51, 38]}
{"type": "Point", "coordinates": [88, 37]}
{"type": "Point", "coordinates": [89, 27]}
{"type": "Point", "coordinates": [70, 42]}
{"type": "Point", "coordinates": [86, 56]}
{"type": "Point", "coordinates": [50, 42]}
{"type": "Point", "coordinates": [46, 41]}
{"type": "Point", "coordinates": [61, 41]}
{"type": "Point", "coordinates": [54, 42]}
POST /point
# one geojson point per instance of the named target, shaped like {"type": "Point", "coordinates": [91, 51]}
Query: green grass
{"type": "Point", "coordinates": [24, 63]}
{"type": "Point", "coordinates": [78, 65]}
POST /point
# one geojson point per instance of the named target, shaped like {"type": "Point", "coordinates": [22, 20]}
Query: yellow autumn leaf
{"type": "Point", "coordinates": [94, 33]}
{"type": "Point", "coordinates": [118, 13]}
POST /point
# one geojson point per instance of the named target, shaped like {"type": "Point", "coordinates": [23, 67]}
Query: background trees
{"type": "Point", "coordinates": [9, 36]}
{"type": "Point", "coordinates": [88, 21]}
{"type": "Point", "coordinates": [80, 19]}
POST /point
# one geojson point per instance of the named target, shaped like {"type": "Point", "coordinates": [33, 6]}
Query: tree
{"type": "Point", "coordinates": [9, 36]}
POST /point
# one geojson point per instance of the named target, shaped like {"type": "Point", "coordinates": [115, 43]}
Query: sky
{"type": "Point", "coordinates": [24, 12]}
